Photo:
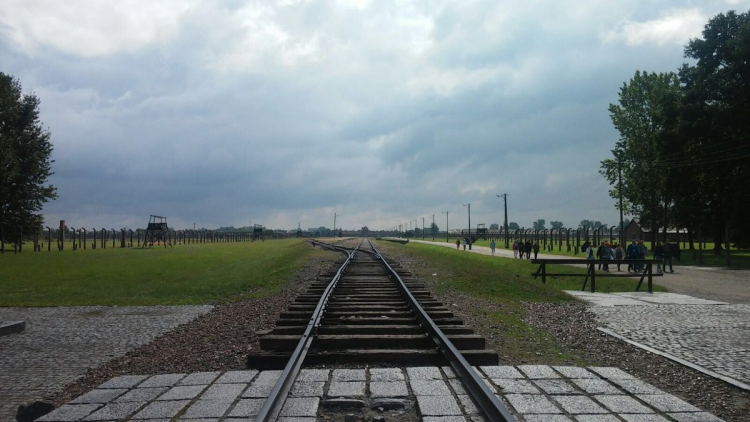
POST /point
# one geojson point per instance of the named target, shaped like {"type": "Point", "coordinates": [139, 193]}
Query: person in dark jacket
{"type": "Point", "coordinates": [658, 255]}
{"type": "Point", "coordinates": [536, 249]}
{"type": "Point", "coordinates": [520, 249]}
{"type": "Point", "coordinates": [527, 247]}
{"type": "Point", "coordinates": [632, 253]}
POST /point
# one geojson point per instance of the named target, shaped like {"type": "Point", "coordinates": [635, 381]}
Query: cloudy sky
{"type": "Point", "coordinates": [277, 112]}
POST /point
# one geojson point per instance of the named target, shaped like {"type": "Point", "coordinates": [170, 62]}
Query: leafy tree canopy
{"type": "Point", "coordinates": [25, 163]}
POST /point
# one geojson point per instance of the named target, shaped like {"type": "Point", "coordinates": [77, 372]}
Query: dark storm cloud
{"type": "Point", "coordinates": [216, 113]}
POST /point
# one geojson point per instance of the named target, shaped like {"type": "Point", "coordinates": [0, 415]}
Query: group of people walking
{"type": "Point", "coordinates": [636, 250]}
{"type": "Point", "coordinates": [520, 249]}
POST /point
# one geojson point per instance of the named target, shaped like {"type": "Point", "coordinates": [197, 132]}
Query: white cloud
{"type": "Point", "coordinates": [90, 28]}
{"type": "Point", "coordinates": [675, 27]}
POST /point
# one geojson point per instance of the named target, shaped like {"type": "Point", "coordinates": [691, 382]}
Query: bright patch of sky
{"type": "Point", "coordinates": [277, 112]}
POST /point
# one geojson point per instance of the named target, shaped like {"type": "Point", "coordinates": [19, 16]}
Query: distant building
{"type": "Point", "coordinates": [633, 231]}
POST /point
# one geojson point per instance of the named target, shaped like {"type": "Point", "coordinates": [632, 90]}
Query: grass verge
{"type": "Point", "coordinates": [187, 274]}
{"type": "Point", "coordinates": [499, 286]}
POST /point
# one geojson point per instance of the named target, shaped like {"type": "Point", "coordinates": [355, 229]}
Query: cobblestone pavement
{"type": "Point", "coordinates": [531, 392]}
{"type": "Point", "coordinates": [61, 344]}
{"type": "Point", "coordinates": [714, 337]}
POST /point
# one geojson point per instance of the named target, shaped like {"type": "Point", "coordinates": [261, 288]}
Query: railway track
{"type": "Point", "coordinates": [371, 311]}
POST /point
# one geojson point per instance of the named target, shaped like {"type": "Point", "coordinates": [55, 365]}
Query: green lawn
{"type": "Point", "coordinates": [506, 282]}
{"type": "Point", "coordinates": [185, 274]}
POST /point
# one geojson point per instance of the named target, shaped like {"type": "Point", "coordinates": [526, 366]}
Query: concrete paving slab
{"type": "Point", "coordinates": [124, 381]}
{"type": "Point", "coordinates": [579, 404]}
{"type": "Point", "coordinates": [308, 389]}
{"type": "Point", "coordinates": [597, 418]}
{"type": "Point", "coordinates": [161, 409]}
{"type": "Point", "coordinates": [574, 372]}
{"type": "Point", "coordinates": [247, 408]}
{"type": "Point", "coordinates": [163, 380]}
{"type": "Point", "coordinates": [634, 386]}
{"type": "Point", "coordinates": [596, 386]}
{"type": "Point", "coordinates": [422, 387]}
{"type": "Point", "coordinates": [444, 419]}
{"type": "Point", "coordinates": [349, 375]}
{"type": "Point", "coordinates": [115, 411]}
{"type": "Point", "coordinates": [346, 389]}
{"type": "Point", "coordinates": [237, 377]}
{"type": "Point", "coordinates": [424, 373]}
{"type": "Point", "coordinates": [667, 403]}
{"type": "Point", "coordinates": [100, 396]}
{"type": "Point", "coordinates": [141, 394]}
{"type": "Point", "coordinates": [538, 371]}
{"type": "Point", "coordinates": [622, 404]}
{"type": "Point", "coordinates": [611, 373]}
{"type": "Point", "coordinates": [643, 418]}
{"type": "Point", "coordinates": [182, 392]}
{"type": "Point", "coordinates": [532, 403]}
{"type": "Point", "coordinates": [515, 386]}
{"type": "Point", "coordinates": [549, 418]}
{"type": "Point", "coordinates": [199, 378]}
{"type": "Point", "coordinates": [224, 392]}
{"type": "Point", "coordinates": [556, 387]}
{"type": "Point", "coordinates": [386, 374]}
{"type": "Point", "coordinates": [694, 417]}
{"type": "Point", "coordinates": [501, 372]}
{"type": "Point", "coordinates": [300, 407]}
{"type": "Point", "coordinates": [70, 413]}
{"type": "Point", "coordinates": [207, 409]}
{"type": "Point", "coordinates": [388, 389]}
{"type": "Point", "coordinates": [438, 406]}
{"type": "Point", "coordinates": [314, 375]}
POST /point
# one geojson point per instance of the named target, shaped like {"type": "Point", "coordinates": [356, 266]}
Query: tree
{"type": "Point", "coordinates": [586, 224]}
{"type": "Point", "coordinates": [716, 155]}
{"type": "Point", "coordinates": [365, 231]}
{"type": "Point", "coordinates": [539, 224]}
{"type": "Point", "coordinates": [25, 163]}
{"type": "Point", "coordinates": [647, 117]}
{"type": "Point", "coordinates": [435, 228]}
{"type": "Point", "coordinates": [494, 226]}
{"type": "Point", "coordinates": [513, 226]}
{"type": "Point", "coordinates": [556, 225]}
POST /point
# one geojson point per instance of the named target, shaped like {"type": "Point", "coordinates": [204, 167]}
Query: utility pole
{"type": "Point", "coordinates": [505, 224]}
{"type": "Point", "coordinates": [446, 227]}
{"type": "Point", "coordinates": [422, 228]}
{"type": "Point", "coordinates": [433, 227]}
{"type": "Point", "coordinates": [619, 188]}
{"type": "Point", "coordinates": [469, 205]}
{"type": "Point", "coordinates": [334, 225]}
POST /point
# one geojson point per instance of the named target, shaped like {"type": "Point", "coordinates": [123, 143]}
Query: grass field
{"type": "Point", "coordinates": [506, 282]}
{"type": "Point", "coordinates": [186, 274]}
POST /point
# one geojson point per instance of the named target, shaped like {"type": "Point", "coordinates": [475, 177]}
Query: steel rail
{"type": "Point", "coordinates": [492, 407]}
{"type": "Point", "coordinates": [275, 401]}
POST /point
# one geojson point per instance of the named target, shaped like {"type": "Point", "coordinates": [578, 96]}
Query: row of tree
{"type": "Point", "coordinates": [683, 157]}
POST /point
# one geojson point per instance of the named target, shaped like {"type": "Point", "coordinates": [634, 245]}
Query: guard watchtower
{"type": "Point", "coordinates": [157, 231]}
{"type": "Point", "coordinates": [258, 232]}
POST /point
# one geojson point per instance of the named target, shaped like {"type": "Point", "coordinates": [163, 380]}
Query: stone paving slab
{"type": "Point", "coordinates": [60, 344]}
{"type": "Point", "coordinates": [714, 339]}
{"type": "Point", "coordinates": [532, 393]}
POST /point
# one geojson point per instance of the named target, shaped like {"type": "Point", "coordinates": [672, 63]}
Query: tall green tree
{"type": "Point", "coordinates": [647, 117]}
{"type": "Point", "coordinates": [557, 225]}
{"type": "Point", "coordinates": [717, 127]}
{"type": "Point", "coordinates": [25, 163]}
